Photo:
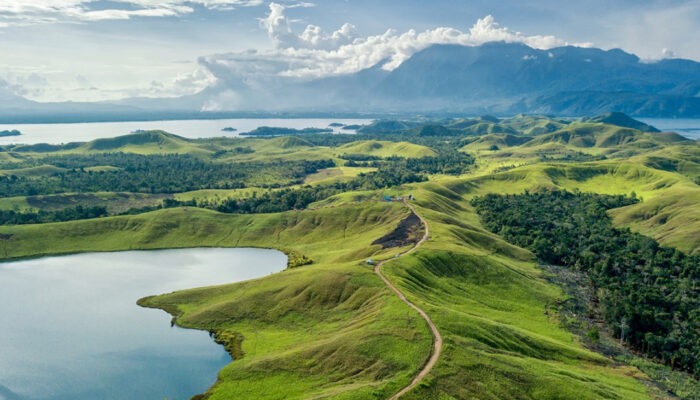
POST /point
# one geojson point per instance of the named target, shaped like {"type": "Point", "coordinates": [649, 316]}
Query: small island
{"type": "Point", "coordinates": [229, 129]}
{"type": "Point", "coordinates": [13, 132]}
{"type": "Point", "coordinates": [336, 124]}
{"type": "Point", "coordinates": [276, 131]}
{"type": "Point", "coordinates": [352, 127]}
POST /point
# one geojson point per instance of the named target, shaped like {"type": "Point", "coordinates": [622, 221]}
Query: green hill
{"type": "Point", "coordinates": [494, 142]}
{"type": "Point", "coordinates": [599, 135]}
{"type": "Point", "coordinates": [289, 142]}
{"type": "Point", "coordinates": [533, 125]}
{"type": "Point", "coordinates": [621, 119]}
{"type": "Point", "coordinates": [332, 328]}
{"type": "Point", "coordinates": [149, 142]}
{"type": "Point", "coordinates": [381, 148]}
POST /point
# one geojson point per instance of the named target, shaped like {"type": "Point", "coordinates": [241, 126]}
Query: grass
{"type": "Point", "coordinates": [672, 218]}
{"type": "Point", "coordinates": [40, 170]}
{"type": "Point", "coordinates": [213, 194]}
{"type": "Point", "coordinates": [381, 148]}
{"type": "Point", "coordinates": [115, 202]}
{"type": "Point", "coordinates": [336, 173]}
{"type": "Point", "coordinates": [488, 299]}
{"type": "Point", "coordinates": [328, 327]}
{"type": "Point", "coordinates": [331, 329]}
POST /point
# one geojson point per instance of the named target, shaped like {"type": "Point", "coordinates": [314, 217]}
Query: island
{"type": "Point", "coordinates": [352, 127]}
{"type": "Point", "coordinates": [7, 133]}
{"type": "Point", "coordinates": [276, 131]}
{"type": "Point", "coordinates": [229, 129]}
{"type": "Point", "coordinates": [336, 124]}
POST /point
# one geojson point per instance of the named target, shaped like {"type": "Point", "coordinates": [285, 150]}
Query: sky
{"type": "Point", "coordinates": [94, 50]}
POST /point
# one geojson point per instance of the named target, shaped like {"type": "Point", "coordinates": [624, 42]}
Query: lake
{"type": "Point", "coordinates": [85, 132]}
{"type": "Point", "coordinates": [71, 328]}
{"type": "Point", "coordinates": [687, 127]}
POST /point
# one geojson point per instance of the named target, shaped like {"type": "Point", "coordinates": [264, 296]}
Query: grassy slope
{"type": "Point", "coordinates": [672, 218]}
{"type": "Point", "coordinates": [488, 300]}
{"type": "Point", "coordinates": [336, 173]}
{"type": "Point", "coordinates": [333, 330]}
{"type": "Point", "coordinates": [331, 327]}
{"type": "Point", "coordinates": [33, 171]}
{"type": "Point", "coordinates": [380, 148]}
{"type": "Point", "coordinates": [661, 168]}
{"type": "Point", "coordinates": [669, 212]}
{"type": "Point", "coordinates": [115, 202]}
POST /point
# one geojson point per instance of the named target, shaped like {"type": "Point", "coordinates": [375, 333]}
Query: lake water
{"type": "Point", "coordinates": [687, 127]}
{"type": "Point", "coordinates": [84, 132]}
{"type": "Point", "coordinates": [71, 328]}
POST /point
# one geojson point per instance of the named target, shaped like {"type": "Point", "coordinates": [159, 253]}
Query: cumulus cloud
{"type": "Point", "coordinates": [667, 53]}
{"type": "Point", "coordinates": [29, 12]}
{"type": "Point", "coordinates": [315, 53]}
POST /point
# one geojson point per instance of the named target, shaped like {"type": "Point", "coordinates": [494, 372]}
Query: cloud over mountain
{"type": "Point", "coordinates": [315, 53]}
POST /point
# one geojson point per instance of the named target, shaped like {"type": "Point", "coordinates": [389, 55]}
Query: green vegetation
{"type": "Point", "coordinates": [647, 293]}
{"type": "Point", "coordinates": [11, 217]}
{"type": "Point", "coordinates": [13, 132]}
{"type": "Point", "coordinates": [275, 131]}
{"type": "Point", "coordinates": [151, 174]}
{"type": "Point", "coordinates": [327, 326]}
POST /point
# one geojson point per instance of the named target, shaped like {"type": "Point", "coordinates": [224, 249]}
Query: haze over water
{"type": "Point", "coordinates": [85, 132]}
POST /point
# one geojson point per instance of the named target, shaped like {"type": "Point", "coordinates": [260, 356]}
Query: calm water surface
{"type": "Point", "coordinates": [71, 329]}
{"type": "Point", "coordinates": [687, 127]}
{"type": "Point", "coordinates": [84, 132]}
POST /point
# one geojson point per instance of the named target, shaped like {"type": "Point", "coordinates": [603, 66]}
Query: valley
{"type": "Point", "coordinates": [335, 325]}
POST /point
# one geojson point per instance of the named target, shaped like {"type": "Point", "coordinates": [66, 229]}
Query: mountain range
{"type": "Point", "coordinates": [496, 78]}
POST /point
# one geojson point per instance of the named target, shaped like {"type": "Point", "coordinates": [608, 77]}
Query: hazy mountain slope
{"type": "Point", "coordinates": [512, 77]}
{"type": "Point", "coordinates": [497, 77]}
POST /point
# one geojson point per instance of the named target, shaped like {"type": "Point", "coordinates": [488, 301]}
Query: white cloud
{"type": "Point", "coordinates": [30, 12]}
{"type": "Point", "coordinates": [667, 53]}
{"type": "Point", "coordinates": [315, 53]}
{"type": "Point", "coordinates": [647, 30]}
{"type": "Point", "coordinates": [53, 86]}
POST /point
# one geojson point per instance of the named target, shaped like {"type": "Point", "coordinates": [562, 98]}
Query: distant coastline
{"type": "Point", "coordinates": [13, 132]}
{"type": "Point", "coordinates": [74, 118]}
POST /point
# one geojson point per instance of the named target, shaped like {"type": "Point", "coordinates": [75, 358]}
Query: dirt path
{"type": "Point", "coordinates": [437, 338]}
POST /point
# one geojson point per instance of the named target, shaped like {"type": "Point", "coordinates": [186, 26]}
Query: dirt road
{"type": "Point", "coordinates": [437, 338]}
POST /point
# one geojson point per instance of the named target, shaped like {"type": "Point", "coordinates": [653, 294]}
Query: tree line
{"type": "Point", "coordinates": [171, 173]}
{"type": "Point", "coordinates": [11, 217]}
{"type": "Point", "coordinates": [648, 294]}
{"type": "Point", "coordinates": [299, 198]}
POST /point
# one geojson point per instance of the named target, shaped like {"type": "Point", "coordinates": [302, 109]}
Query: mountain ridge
{"type": "Point", "coordinates": [494, 78]}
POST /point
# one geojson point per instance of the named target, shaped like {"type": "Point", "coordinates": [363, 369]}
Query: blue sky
{"type": "Point", "coordinates": [97, 50]}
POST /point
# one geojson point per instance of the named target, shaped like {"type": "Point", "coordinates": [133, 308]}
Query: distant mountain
{"type": "Point", "coordinates": [509, 78]}
{"type": "Point", "coordinates": [498, 78]}
{"type": "Point", "coordinates": [494, 78]}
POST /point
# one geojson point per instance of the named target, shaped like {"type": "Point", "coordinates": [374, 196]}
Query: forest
{"type": "Point", "coordinates": [170, 173]}
{"type": "Point", "coordinates": [647, 294]}
{"type": "Point", "coordinates": [11, 217]}
{"type": "Point", "coordinates": [299, 198]}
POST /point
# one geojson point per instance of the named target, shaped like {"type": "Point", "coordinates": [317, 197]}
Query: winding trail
{"type": "Point", "coordinates": [437, 338]}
